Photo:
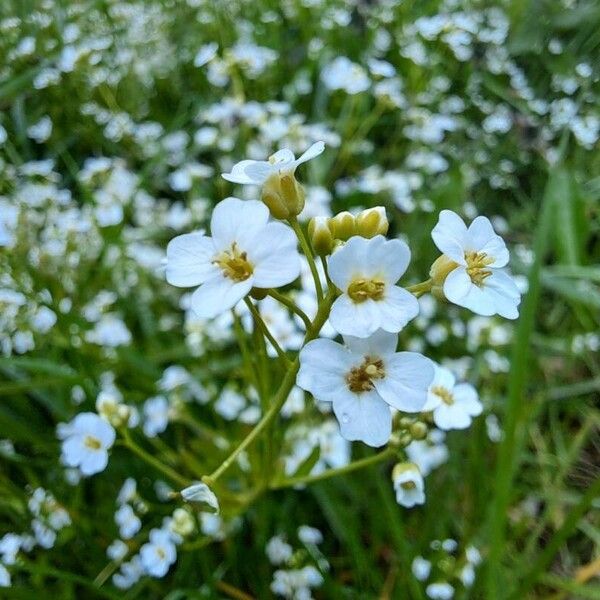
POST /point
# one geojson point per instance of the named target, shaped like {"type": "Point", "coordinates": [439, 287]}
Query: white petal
{"type": "Point", "coordinates": [274, 255]}
{"type": "Point", "coordinates": [408, 376]}
{"type": "Point", "coordinates": [448, 417]}
{"type": "Point", "coordinates": [316, 149]}
{"type": "Point", "coordinates": [189, 260]}
{"type": "Point", "coordinates": [239, 221]}
{"type": "Point", "coordinates": [397, 308]}
{"type": "Point", "coordinates": [479, 300]}
{"type": "Point", "coordinates": [324, 365]}
{"type": "Point", "coordinates": [349, 262]}
{"type": "Point", "coordinates": [218, 295]}
{"type": "Point", "coordinates": [259, 171]}
{"type": "Point", "coordinates": [466, 396]}
{"type": "Point", "coordinates": [387, 259]}
{"type": "Point", "coordinates": [359, 319]}
{"type": "Point", "coordinates": [94, 462]}
{"type": "Point", "coordinates": [457, 285]}
{"type": "Point", "coordinates": [450, 236]}
{"type": "Point", "coordinates": [104, 432]}
{"type": "Point", "coordinates": [73, 449]}
{"type": "Point", "coordinates": [505, 294]}
{"type": "Point", "coordinates": [364, 417]}
{"type": "Point", "coordinates": [381, 343]}
{"type": "Point", "coordinates": [481, 237]}
{"type": "Point", "coordinates": [281, 158]}
{"type": "Point", "coordinates": [238, 173]}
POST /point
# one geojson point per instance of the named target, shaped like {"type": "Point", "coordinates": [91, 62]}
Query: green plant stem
{"type": "Point", "coordinates": [157, 464]}
{"type": "Point", "coordinates": [353, 466]}
{"type": "Point", "coordinates": [265, 330]}
{"type": "Point", "coordinates": [289, 303]}
{"type": "Point", "coordinates": [309, 256]}
{"type": "Point", "coordinates": [281, 395]}
{"type": "Point", "coordinates": [420, 288]}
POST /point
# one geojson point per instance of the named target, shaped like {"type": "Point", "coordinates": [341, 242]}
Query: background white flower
{"type": "Point", "coordinates": [408, 485]}
{"type": "Point", "coordinates": [366, 271]}
{"type": "Point", "coordinates": [245, 251]}
{"type": "Point", "coordinates": [86, 441]}
{"type": "Point", "coordinates": [477, 282]}
{"type": "Point", "coordinates": [158, 554]}
{"type": "Point", "coordinates": [363, 379]}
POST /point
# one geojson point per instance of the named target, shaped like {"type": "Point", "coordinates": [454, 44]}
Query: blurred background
{"type": "Point", "coordinates": [117, 118]}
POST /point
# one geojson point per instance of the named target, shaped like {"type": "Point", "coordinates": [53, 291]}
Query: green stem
{"type": "Point", "coordinates": [309, 256]}
{"type": "Point", "coordinates": [265, 330]}
{"type": "Point", "coordinates": [157, 464]}
{"type": "Point", "coordinates": [280, 397]}
{"type": "Point", "coordinates": [420, 288]}
{"type": "Point", "coordinates": [291, 305]}
{"type": "Point", "coordinates": [353, 466]}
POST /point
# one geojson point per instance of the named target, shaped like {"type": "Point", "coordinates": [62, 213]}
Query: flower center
{"type": "Point", "coordinates": [408, 485]}
{"type": "Point", "coordinates": [444, 394]}
{"type": "Point", "coordinates": [360, 379]}
{"type": "Point", "coordinates": [476, 266]}
{"type": "Point", "coordinates": [92, 443]}
{"type": "Point", "coordinates": [234, 264]}
{"type": "Point", "coordinates": [161, 553]}
{"type": "Point", "coordinates": [361, 290]}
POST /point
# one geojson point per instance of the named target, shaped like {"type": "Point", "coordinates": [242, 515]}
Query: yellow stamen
{"type": "Point", "coordinates": [361, 290]}
{"type": "Point", "coordinates": [476, 266]}
{"type": "Point", "coordinates": [360, 379]}
{"type": "Point", "coordinates": [234, 264]}
{"type": "Point", "coordinates": [444, 394]}
{"type": "Point", "coordinates": [92, 443]}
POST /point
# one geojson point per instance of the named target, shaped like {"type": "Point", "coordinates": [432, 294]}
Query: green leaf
{"type": "Point", "coordinates": [309, 462]}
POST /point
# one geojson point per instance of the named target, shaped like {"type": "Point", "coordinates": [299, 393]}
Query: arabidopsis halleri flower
{"type": "Point", "coordinates": [200, 492]}
{"type": "Point", "coordinates": [156, 415]}
{"type": "Point", "coordinates": [408, 485]}
{"type": "Point", "coordinates": [86, 441]}
{"type": "Point", "coordinates": [440, 591]}
{"type": "Point", "coordinates": [158, 554]}
{"type": "Point", "coordinates": [366, 271]}
{"type": "Point", "coordinates": [245, 251]}
{"type": "Point", "coordinates": [453, 405]}
{"type": "Point", "coordinates": [421, 568]}
{"type": "Point", "coordinates": [127, 521]}
{"type": "Point", "coordinates": [257, 172]}
{"type": "Point", "coordinates": [363, 379]}
{"type": "Point", "coordinates": [470, 270]}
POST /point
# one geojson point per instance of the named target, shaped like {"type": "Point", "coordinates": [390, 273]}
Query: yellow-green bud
{"type": "Point", "coordinates": [403, 467]}
{"type": "Point", "coordinates": [343, 226]}
{"type": "Point", "coordinates": [438, 273]}
{"type": "Point", "coordinates": [419, 430]}
{"type": "Point", "coordinates": [283, 195]}
{"type": "Point", "coordinates": [258, 293]}
{"type": "Point", "coordinates": [320, 236]}
{"type": "Point", "coordinates": [372, 222]}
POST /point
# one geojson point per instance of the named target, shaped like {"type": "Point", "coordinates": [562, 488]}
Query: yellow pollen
{"type": "Point", "coordinates": [408, 485]}
{"type": "Point", "coordinates": [476, 266]}
{"type": "Point", "coordinates": [444, 394]}
{"type": "Point", "coordinates": [92, 443]}
{"type": "Point", "coordinates": [360, 379]}
{"type": "Point", "coordinates": [361, 290]}
{"type": "Point", "coordinates": [234, 264]}
{"type": "Point", "coordinates": [161, 553]}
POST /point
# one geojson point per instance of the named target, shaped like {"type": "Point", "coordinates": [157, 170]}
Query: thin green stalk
{"type": "Point", "coordinates": [420, 288]}
{"type": "Point", "coordinates": [353, 466]}
{"type": "Point", "coordinates": [280, 397]}
{"type": "Point", "coordinates": [289, 303]}
{"type": "Point", "coordinates": [157, 464]}
{"type": "Point", "coordinates": [265, 330]}
{"type": "Point", "coordinates": [309, 256]}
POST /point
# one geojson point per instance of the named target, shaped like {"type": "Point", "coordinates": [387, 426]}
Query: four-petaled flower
{"type": "Point", "coordinates": [366, 272]}
{"type": "Point", "coordinates": [363, 379]}
{"type": "Point", "coordinates": [86, 441]}
{"type": "Point", "coordinates": [245, 251]}
{"type": "Point", "coordinates": [471, 266]}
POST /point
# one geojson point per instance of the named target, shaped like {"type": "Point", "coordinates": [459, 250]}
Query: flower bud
{"type": "Point", "coordinates": [320, 236]}
{"type": "Point", "coordinates": [372, 222]}
{"type": "Point", "coordinates": [343, 226]}
{"type": "Point", "coordinates": [418, 430]}
{"type": "Point", "coordinates": [440, 269]}
{"type": "Point", "coordinates": [200, 492]}
{"type": "Point", "coordinates": [283, 195]}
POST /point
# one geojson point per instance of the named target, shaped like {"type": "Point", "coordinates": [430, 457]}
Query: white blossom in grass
{"type": "Point", "coordinates": [129, 574]}
{"type": "Point", "coordinates": [408, 485]}
{"type": "Point", "coordinates": [362, 380]}
{"type": "Point", "coordinates": [440, 591]}
{"type": "Point", "coordinates": [200, 492]}
{"type": "Point", "coordinates": [245, 251]}
{"type": "Point", "coordinates": [470, 271]}
{"type": "Point", "coordinates": [366, 272]}
{"type": "Point", "coordinates": [158, 554]}
{"type": "Point", "coordinates": [10, 544]}
{"type": "Point", "coordinates": [257, 172]}
{"type": "Point", "coordinates": [309, 535]}
{"type": "Point", "coordinates": [117, 550]}
{"type": "Point", "coordinates": [127, 521]}
{"type": "Point", "coordinates": [421, 568]}
{"type": "Point", "coordinates": [343, 74]}
{"type": "Point", "coordinates": [5, 580]}
{"type": "Point", "coordinates": [86, 441]}
{"type": "Point", "coordinates": [278, 550]}
{"type": "Point", "coordinates": [453, 405]}
{"type": "Point", "coordinates": [156, 415]}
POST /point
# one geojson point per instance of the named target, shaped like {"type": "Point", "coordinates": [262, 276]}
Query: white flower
{"type": "Point", "coordinates": [10, 544]}
{"type": "Point", "coordinates": [408, 485]}
{"type": "Point", "coordinates": [362, 380]}
{"type": "Point", "coordinates": [4, 577]}
{"type": "Point", "coordinates": [156, 415]}
{"type": "Point", "coordinates": [200, 492]}
{"type": "Point", "coordinates": [477, 282]}
{"type": "Point", "coordinates": [453, 406]}
{"type": "Point", "coordinates": [117, 550]}
{"type": "Point", "coordinates": [245, 251]}
{"type": "Point", "coordinates": [366, 271]}
{"type": "Point", "coordinates": [440, 591]}
{"type": "Point", "coordinates": [421, 568]}
{"type": "Point", "coordinates": [128, 522]}
{"type": "Point", "coordinates": [309, 535]}
{"type": "Point", "coordinates": [256, 172]}
{"type": "Point", "coordinates": [278, 550]}
{"type": "Point", "coordinates": [86, 440]}
{"type": "Point", "coordinates": [343, 74]}
{"type": "Point", "coordinates": [158, 554]}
